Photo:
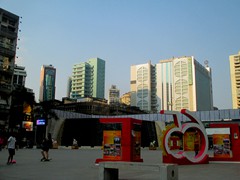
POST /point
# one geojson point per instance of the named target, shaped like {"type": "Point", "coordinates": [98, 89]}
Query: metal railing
{"type": "Point", "coordinates": [216, 115]}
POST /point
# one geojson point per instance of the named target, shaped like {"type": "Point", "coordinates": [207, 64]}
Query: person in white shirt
{"type": "Point", "coordinates": [11, 148]}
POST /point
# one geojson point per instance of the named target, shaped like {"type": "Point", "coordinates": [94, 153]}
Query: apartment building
{"type": "Point", "coordinates": [9, 24]}
{"type": "Point", "coordinates": [88, 79]}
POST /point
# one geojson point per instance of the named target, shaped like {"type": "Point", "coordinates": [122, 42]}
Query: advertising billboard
{"type": "Point", "coordinates": [28, 125]}
{"type": "Point", "coordinates": [41, 122]}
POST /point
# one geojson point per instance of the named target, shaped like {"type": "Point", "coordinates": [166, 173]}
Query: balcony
{"type": "Point", "coordinates": [9, 46]}
{"type": "Point", "coordinates": [7, 88]}
{"type": "Point", "coordinates": [8, 32]}
{"type": "Point", "coordinates": [7, 52]}
{"type": "Point", "coordinates": [9, 71]}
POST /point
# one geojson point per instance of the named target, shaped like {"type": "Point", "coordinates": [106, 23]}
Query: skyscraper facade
{"type": "Point", "coordinates": [178, 83]}
{"type": "Point", "coordinates": [143, 91]}
{"type": "Point", "coordinates": [183, 83]}
{"type": "Point", "coordinates": [234, 61]}
{"type": "Point", "coordinates": [98, 77]}
{"type": "Point", "coordinates": [88, 79]}
{"type": "Point", "coordinates": [114, 95]}
{"type": "Point", "coordinates": [47, 83]}
{"type": "Point", "coordinates": [164, 80]}
{"type": "Point", "coordinates": [9, 24]}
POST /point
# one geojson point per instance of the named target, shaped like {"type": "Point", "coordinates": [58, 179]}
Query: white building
{"type": "Point", "coordinates": [19, 75]}
{"type": "Point", "coordinates": [172, 84]}
{"type": "Point", "coordinates": [143, 87]}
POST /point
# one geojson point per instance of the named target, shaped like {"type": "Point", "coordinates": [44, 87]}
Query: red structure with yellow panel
{"type": "Point", "coordinates": [121, 139]}
{"type": "Point", "coordinates": [196, 134]}
{"type": "Point", "coordinates": [226, 141]}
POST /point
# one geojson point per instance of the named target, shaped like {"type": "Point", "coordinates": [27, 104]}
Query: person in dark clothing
{"type": "Point", "coordinates": [46, 145]}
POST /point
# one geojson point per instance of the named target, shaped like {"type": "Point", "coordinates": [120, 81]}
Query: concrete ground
{"type": "Point", "coordinates": [67, 164]}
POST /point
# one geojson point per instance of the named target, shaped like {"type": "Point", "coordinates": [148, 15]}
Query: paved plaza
{"type": "Point", "coordinates": [68, 164]}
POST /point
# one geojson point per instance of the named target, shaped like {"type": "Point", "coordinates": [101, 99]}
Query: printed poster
{"type": "Point", "coordinates": [28, 125]}
{"type": "Point", "coordinates": [112, 144]}
{"type": "Point", "coordinates": [221, 145]}
{"type": "Point", "coordinates": [189, 139]}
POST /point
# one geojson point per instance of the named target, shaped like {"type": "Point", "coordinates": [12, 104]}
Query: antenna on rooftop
{"type": "Point", "coordinates": [206, 63]}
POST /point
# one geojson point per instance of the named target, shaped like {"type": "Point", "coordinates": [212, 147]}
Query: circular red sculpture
{"type": "Point", "coordinates": [182, 157]}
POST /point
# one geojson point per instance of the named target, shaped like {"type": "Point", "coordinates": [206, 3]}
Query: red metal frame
{"type": "Point", "coordinates": [126, 138]}
{"type": "Point", "coordinates": [235, 141]}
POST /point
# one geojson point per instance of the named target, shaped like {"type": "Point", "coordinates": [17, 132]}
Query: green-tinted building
{"type": "Point", "coordinates": [47, 83]}
{"type": "Point", "coordinates": [88, 79]}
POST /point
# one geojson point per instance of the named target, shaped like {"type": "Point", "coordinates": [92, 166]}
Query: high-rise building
{"type": "Point", "coordinates": [9, 23]}
{"type": "Point", "coordinates": [98, 77]}
{"type": "Point", "coordinates": [88, 79]}
{"type": "Point", "coordinates": [183, 83]}
{"type": "Point", "coordinates": [69, 86]}
{"type": "Point", "coordinates": [47, 83]}
{"type": "Point", "coordinates": [143, 87]}
{"type": "Point", "coordinates": [113, 96]}
{"type": "Point", "coordinates": [19, 76]}
{"type": "Point", "coordinates": [164, 79]}
{"type": "Point", "coordinates": [177, 83]}
{"type": "Point", "coordinates": [235, 79]}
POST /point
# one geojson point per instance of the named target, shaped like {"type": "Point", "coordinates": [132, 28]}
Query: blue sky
{"type": "Point", "coordinates": [124, 33]}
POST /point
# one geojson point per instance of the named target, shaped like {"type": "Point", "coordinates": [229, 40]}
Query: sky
{"type": "Point", "coordinates": [125, 33]}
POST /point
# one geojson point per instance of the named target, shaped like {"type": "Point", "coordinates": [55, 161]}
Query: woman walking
{"type": "Point", "coordinates": [46, 145]}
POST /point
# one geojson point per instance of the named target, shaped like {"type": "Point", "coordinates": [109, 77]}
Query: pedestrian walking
{"type": "Point", "coordinates": [46, 145]}
{"type": "Point", "coordinates": [11, 145]}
